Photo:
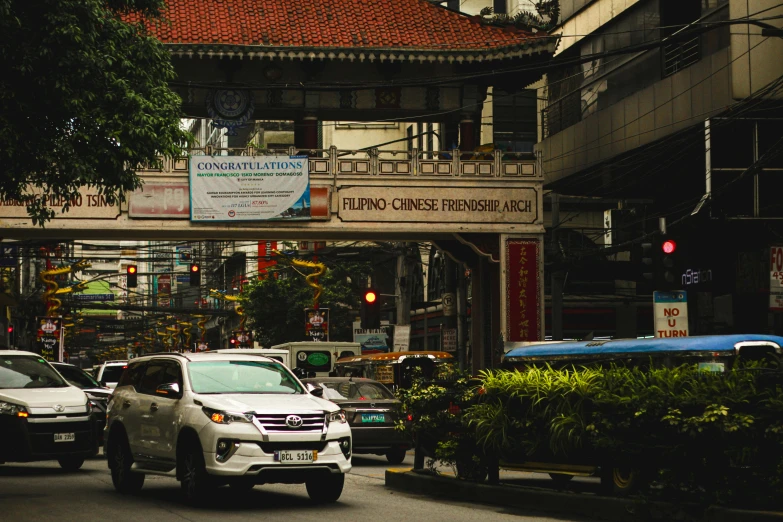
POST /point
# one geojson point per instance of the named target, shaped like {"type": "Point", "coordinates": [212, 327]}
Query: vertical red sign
{"type": "Point", "coordinates": [523, 289]}
{"type": "Point", "coordinates": [265, 256]}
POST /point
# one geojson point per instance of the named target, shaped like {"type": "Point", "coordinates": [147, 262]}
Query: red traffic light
{"type": "Point", "coordinates": [194, 268]}
{"type": "Point", "coordinates": [132, 269]}
{"type": "Point", "coordinates": [669, 246]}
{"type": "Point", "coordinates": [370, 296]}
{"type": "Point", "coordinates": [10, 329]}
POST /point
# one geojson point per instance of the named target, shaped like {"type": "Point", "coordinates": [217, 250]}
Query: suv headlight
{"type": "Point", "coordinates": [9, 408]}
{"type": "Point", "coordinates": [337, 416]}
{"type": "Point", "coordinates": [226, 417]}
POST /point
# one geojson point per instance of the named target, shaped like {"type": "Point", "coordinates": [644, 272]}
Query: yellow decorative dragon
{"type": "Point", "coordinates": [47, 277]}
{"type": "Point", "coordinates": [217, 294]}
{"type": "Point", "coordinates": [312, 279]}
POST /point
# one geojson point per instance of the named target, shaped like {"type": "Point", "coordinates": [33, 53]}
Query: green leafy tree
{"type": "Point", "coordinates": [276, 305]}
{"type": "Point", "coordinates": [84, 99]}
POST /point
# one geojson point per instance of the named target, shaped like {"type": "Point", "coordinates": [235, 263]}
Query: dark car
{"type": "Point", "coordinates": [371, 410]}
{"type": "Point", "coordinates": [98, 395]}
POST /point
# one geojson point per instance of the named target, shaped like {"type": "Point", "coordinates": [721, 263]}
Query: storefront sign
{"type": "Point", "coordinates": [164, 291]}
{"type": "Point", "coordinates": [372, 340]}
{"type": "Point", "coordinates": [523, 286]}
{"type": "Point", "coordinates": [89, 204]}
{"type": "Point", "coordinates": [438, 204]}
{"type": "Point", "coordinates": [49, 338]}
{"type": "Point", "coordinates": [776, 278]}
{"type": "Point", "coordinates": [157, 200]}
{"type": "Point", "coordinates": [671, 314]}
{"type": "Point", "coordinates": [317, 324]}
{"type": "Point", "coordinates": [249, 188]}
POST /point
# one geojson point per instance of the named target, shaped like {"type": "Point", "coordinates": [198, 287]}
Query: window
{"type": "Point", "coordinates": [153, 377]}
{"type": "Point", "coordinates": [28, 372]}
{"type": "Point", "coordinates": [132, 375]}
{"type": "Point", "coordinates": [77, 377]}
{"type": "Point", "coordinates": [242, 377]}
{"type": "Point", "coordinates": [357, 391]}
{"type": "Point", "coordinates": [112, 373]}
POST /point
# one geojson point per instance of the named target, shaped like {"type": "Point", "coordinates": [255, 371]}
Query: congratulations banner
{"type": "Point", "coordinates": [249, 188]}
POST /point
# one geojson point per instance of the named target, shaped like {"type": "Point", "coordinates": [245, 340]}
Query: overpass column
{"type": "Point", "coordinates": [522, 288]}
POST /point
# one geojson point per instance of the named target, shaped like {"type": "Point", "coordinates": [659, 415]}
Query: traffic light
{"type": "Point", "coordinates": [371, 309]}
{"type": "Point", "coordinates": [195, 275]}
{"type": "Point", "coordinates": [648, 262]}
{"type": "Point", "coordinates": [132, 273]}
{"type": "Point", "coordinates": [11, 338]}
{"type": "Point", "coordinates": [233, 341]}
{"type": "Point", "coordinates": [670, 272]}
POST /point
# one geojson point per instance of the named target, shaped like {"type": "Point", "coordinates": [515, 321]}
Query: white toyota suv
{"type": "Point", "coordinates": [210, 419]}
{"type": "Point", "coordinates": [42, 417]}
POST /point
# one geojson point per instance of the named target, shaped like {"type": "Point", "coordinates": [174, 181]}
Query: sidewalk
{"type": "Point", "coordinates": [566, 503]}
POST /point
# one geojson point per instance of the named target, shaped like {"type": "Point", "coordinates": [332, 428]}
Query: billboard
{"type": "Point", "coordinates": [249, 188]}
{"type": "Point", "coordinates": [317, 324]}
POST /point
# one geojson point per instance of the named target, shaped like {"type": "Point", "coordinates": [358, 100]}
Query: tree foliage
{"type": "Point", "coordinates": [84, 99]}
{"type": "Point", "coordinates": [275, 305]}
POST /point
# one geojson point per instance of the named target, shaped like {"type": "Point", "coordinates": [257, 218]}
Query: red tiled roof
{"type": "Point", "coordinates": [332, 24]}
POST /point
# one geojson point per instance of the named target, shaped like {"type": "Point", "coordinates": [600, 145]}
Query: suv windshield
{"type": "Point", "coordinates": [77, 377]}
{"type": "Point", "coordinates": [361, 391]}
{"type": "Point", "coordinates": [241, 377]}
{"type": "Point", "coordinates": [24, 371]}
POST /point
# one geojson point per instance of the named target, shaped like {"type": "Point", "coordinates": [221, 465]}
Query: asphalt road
{"type": "Point", "coordinates": [42, 491]}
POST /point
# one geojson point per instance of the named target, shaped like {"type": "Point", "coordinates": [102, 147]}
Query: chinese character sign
{"type": "Point", "coordinates": [523, 286]}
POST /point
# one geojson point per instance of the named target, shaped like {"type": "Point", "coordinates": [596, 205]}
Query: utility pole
{"type": "Point", "coordinates": [557, 273]}
{"type": "Point", "coordinates": [404, 284]}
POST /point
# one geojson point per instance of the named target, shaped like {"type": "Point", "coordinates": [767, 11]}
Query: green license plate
{"type": "Point", "coordinates": [373, 417]}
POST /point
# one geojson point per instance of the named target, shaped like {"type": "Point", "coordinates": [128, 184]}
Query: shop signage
{"type": "Point", "coordinates": [249, 188]}
{"type": "Point", "coordinates": [776, 278]}
{"type": "Point", "coordinates": [523, 289]}
{"type": "Point", "coordinates": [156, 200]}
{"type": "Point", "coordinates": [671, 314]}
{"type": "Point", "coordinates": [373, 340]}
{"type": "Point", "coordinates": [317, 324]}
{"type": "Point", "coordinates": [438, 204]}
{"type": "Point", "coordinates": [89, 204]}
{"type": "Point", "coordinates": [49, 338]}
{"type": "Point", "coordinates": [695, 277]}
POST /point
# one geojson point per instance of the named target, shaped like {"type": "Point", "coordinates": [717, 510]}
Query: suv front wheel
{"type": "Point", "coordinates": [120, 462]}
{"type": "Point", "coordinates": [325, 490]}
{"type": "Point", "coordinates": [196, 482]}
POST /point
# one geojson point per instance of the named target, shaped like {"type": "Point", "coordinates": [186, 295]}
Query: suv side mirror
{"type": "Point", "coordinates": [170, 390]}
{"type": "Point", "coordinates": [315, 390]}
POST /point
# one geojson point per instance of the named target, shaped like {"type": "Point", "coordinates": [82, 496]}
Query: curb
{"type": "Point", "coordinates": [543, 500]}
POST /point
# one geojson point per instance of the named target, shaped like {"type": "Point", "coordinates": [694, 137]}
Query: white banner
{"type": "Point", "coordinates": [249, 188]}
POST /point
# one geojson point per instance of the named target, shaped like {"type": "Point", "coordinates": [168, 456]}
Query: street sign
{"type": "Point", "coordinates": [8, 255]}
{"type": "Point", "coordinates": [449, 339]}
{"type": "Point", "coordinates": [776, 278]}
{"type": "Point", "coordinates": [449, 304]}
{"type": "Point", "coordinates": [93, 297]}
{"type": "Point", "coordinates": [671, 314]}
{"type": "Point", "coordinates": [402, 337]}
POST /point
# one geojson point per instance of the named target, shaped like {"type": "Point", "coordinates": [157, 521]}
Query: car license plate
{"type": "Point", "coordinates": [373, 417]}
{"type": "Point", "coordinates": [64, 437]}
{"type": "Point", "coordinates": [296, 457]}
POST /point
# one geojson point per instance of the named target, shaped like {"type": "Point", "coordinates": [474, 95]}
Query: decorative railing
{"type": "Point", "coordinates": [332, 162]}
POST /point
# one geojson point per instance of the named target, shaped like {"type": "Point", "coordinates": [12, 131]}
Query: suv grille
{"type": "Point", "coordinates": [271, 447]}
{"type": "Point", "coordinates": [276, 422]}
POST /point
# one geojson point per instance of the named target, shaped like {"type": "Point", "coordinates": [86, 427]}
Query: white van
{"type": "Point", "coordinates": [278, 355]}
{"type": "Point", "coordinates": [316, 359]}
{"type": "Point", "coordinates": [42, 417]}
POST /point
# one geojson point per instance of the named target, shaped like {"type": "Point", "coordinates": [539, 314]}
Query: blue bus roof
{"type": "Point", "coordinates": [711, 343]}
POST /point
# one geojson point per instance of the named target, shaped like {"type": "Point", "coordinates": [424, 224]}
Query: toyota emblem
{"type": "Point", "coordinates": [59, 408]}
{"type": "Point", "coordinates": [293, 421]}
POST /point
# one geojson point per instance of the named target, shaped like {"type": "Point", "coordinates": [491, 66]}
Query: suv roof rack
{"type": "Point", "coordinates": [116, 361]}
{"type": "Point", "coordinates": [167, 353]}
